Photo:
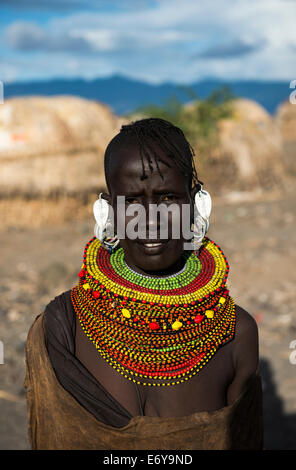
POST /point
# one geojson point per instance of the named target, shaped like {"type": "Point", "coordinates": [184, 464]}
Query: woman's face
{"type": "Point", "coordinates": [125, 180]}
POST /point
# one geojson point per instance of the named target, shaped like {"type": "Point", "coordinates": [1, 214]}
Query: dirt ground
{"type": "Point", "coordinates": [258, 238]}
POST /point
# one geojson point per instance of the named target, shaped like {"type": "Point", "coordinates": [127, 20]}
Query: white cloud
{"type": "Point", "coordinates": [173, 40]}
{"type": "Point", "coordinates": [9, 73]}
{"type": "Point", "coordinates": [24, 35]}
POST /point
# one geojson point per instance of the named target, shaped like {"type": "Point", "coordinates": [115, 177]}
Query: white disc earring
{"type": "Point", "coordinates": [104, 229]}
{"type": "Point", "coordinates": [202, 212]}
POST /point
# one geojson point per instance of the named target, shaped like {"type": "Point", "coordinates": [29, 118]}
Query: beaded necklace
{"type": "Point", "coordinates": [155, 277]}
{"type": "Point", "coordinates": [155, 331]}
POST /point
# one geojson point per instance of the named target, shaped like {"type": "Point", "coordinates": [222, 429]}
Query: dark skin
{"type": "Point", "coordinates": [225, 377]}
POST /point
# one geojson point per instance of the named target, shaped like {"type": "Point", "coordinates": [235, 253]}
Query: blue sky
{"type": "Point", "coordinates": [153, 40]}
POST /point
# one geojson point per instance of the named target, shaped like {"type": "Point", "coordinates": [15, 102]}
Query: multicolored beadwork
{"type": "Point", "coordinates": [155, 331]}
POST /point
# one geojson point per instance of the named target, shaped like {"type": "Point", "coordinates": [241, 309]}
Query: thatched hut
{"type": "Point", "coordinates": [285, 119]}
{"type": "Point", "coordinates": [248, 156]}
{"type": "Point", "coordinates": [53, 145]}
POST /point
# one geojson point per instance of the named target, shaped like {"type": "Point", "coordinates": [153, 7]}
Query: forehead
{"type": "Point", "coordinates": [126, 169]}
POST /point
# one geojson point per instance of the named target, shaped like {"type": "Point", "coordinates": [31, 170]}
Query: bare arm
{"type": "Point", "coordinates": [245, 353]}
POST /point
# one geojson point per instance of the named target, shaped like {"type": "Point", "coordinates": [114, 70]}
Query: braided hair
{"type": "Point", "coordinates": [168, 137]}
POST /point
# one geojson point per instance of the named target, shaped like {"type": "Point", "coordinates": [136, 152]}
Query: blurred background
{"type": "Point", "coordinates": [73, 72]}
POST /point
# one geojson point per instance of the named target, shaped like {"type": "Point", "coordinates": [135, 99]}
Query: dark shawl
{"type": "Point", "coordinates": [59, 322]}
{"type": "Point", "coordinates": [69, 409]}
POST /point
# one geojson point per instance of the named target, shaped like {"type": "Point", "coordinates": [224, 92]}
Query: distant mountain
{"type": "Point", "coordinates": [124, 95]}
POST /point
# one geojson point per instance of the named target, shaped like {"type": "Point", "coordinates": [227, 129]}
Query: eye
{"type": "Point", "coordinates": [169, 197]}
{"type": "Point", "coordinates": [131, 200]}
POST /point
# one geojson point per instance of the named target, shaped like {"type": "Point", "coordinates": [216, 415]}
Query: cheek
{"type": "Point", "coordinates": [127, 226]}
{"type": "Point", "coordinates": [179, 219]}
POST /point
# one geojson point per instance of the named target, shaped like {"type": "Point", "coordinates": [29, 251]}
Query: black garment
{"type": "Point", "coordinates": [57, 421]}
{"type": "Point", "coordinates": [59, 320]}
{"type": "Point", "coordinates": [107, 395]}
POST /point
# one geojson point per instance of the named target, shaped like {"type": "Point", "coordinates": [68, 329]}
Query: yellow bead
{"type": "Point", "coordinates": [126, 313]}
{"type": "Point", "coordinates": [177, 325]}
{"type": "Point", "coordinates": [222, 300]}
{"type": "Point", "coordinates": [209, 313]}
{"type": "Point", "coordinates": [86, 286]}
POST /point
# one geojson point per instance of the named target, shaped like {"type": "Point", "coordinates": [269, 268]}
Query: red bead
{"type": "Point", "coordinates": [82, 273]}
{"type": "Point", "coordinates": [96, 294]}
{"type": "Point", "coordinates": [198, 318]}
{"type": "Point", "coordinates": [153, 325]}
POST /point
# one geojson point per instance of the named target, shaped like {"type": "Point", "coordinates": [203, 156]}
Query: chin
{"type": "Point", "coordinates": [155, 259]}
{"type": "Point", "coordinates": [154, 263]}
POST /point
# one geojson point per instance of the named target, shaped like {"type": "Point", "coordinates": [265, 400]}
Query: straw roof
{"type": "Point", "coordinates": [53, 144]}
{"type": "Point", "coordinates": [249, 149]}
{"type": "Point", "coordinates": [286, 120]}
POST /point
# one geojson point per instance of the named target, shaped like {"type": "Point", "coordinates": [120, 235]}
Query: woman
{"type": "Point", "coordinates": [149, 350]}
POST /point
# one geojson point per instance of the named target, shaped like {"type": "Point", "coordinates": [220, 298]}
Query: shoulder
{"type": "Point", "coordinates": [58, 302]}
{"type": "Point", "coordinates": [51, 314]}
{"type": "Point", "coordinates": [245, 347]}
{"type": "Point", "coordinates": [59, 306]}
{"type": "Point", "coordinates": [59, 312]}
{"type": "Point", "coordinates": [245, 352]}
{"type": "Point", "coordinates": [246, 326]}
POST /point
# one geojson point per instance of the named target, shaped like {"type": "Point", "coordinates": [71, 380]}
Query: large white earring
{"type": "Point", "coordinates": [201, 220]}
{"type": "Point", "coordinates": [104, 229]}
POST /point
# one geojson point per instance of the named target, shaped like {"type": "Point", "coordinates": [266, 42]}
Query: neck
{"type": "Point", "coordinates": [171, 270]}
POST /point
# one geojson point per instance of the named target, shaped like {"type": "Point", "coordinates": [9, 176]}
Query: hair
{"type": "Point", "coordinates": [167, 136]}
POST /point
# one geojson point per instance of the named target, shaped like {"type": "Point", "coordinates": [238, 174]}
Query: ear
{"type": "Point", "coordinates": [107, 197]}
{"type": "Point", "coordinates": [193, 192]}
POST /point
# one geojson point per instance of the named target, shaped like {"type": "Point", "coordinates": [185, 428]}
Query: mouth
{"type": "Point", "coordinates": [154, 247]}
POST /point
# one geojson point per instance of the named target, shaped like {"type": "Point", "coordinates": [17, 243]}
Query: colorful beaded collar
{"type": "Point", "coordinates": [155, 331]}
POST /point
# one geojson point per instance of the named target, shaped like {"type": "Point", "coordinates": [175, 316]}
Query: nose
{"type": "Point", "coordinates": [155, 223]}
{"type": "Point", "coordinates": [152, 224]}
{"type": "Point", "coordinates": [149, 220]}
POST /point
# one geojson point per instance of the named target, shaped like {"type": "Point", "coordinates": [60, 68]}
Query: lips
{"type": "Point", "coordinates": [152, 247]}
{"type": "Point", "coordinates": [151, 242]}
